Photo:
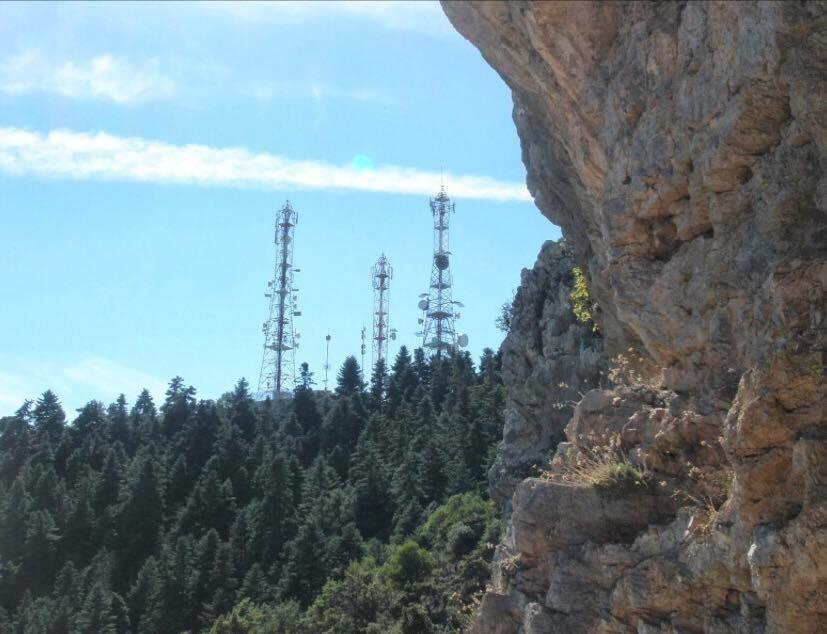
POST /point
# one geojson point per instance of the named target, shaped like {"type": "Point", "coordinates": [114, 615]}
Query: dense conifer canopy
{"type": "Point", "coordinates": [352, 511]}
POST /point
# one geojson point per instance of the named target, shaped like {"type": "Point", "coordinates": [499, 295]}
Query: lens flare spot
{"type": "Point", "coordinates": [362, 162]}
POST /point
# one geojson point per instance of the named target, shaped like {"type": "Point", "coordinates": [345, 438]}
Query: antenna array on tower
{"type": "Point", "coordinates": [439, 333]}
{"type": "Point", "coordinates": [382, 273]}
{"type": "Point", "coordinates": [278, 366]}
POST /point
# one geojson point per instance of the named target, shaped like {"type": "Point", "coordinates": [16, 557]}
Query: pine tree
{"type": "Point", "coordinates": [145, 599]}
{"type": "Point", "coordinates": [305, 571]}
{"type": "Point", "coordinates": [241, 410]}
{"type": "Point", "coordinates": [176, 564]}
{"type": "Point", "coordinates": [46, 490]}
{"type": "Point", "coordinates": [201, 583]}
{"type": "Point", "coordinates": [119, 612]}
{"type": "Point", "coordinates": [15, 443]}
{"type": "Point", "coordinates": [13, 527]}
{"type": "Point", "coordinates": [378, 386]}
{"type": "Point", "coordinates": [349, 379]}
{"type": "Point", "coordinates": [421, 367]}
{"type": "Point", "coordinates": [119, 422]}
{"type": "Point", "coordinates": [407, 491]}
{"type": "Point", "coordinates": [96, 617]}
{"type": "Point", "coordinates": [144, 417]}
{"type": "Point", "coordinates": [140, 518]}
{"type": "Point", "coordinates": [440, 381]}
{"type": "Point", "coordinates": [178, 406]}
{"type": "Point", "coordinates": [340, 432]}
{"type": "Point", "coordinates": [109, 485]}
{"type": "Point", "coordinates": [273, 523]}
{"type": "Point", "coordinates": [178, 487]}
{"type": "Point", "coordinates": [343, 547]}
{"type": "Point", "coordinates": [199, 436]}
{"type": "Point", "coordinates": [40, 551]}
{"type": "Point", "coordinates": [91, 420]}
{"type": "Point", "coordinates": [402, 382]}
{"type": "Point", "coordinates": [255, 586]}
{"type": "Point", "coordinates": [229, 450]}
{"type": "Point", "coordinates": [211, 504]}
{"type": "Point", "coordinates": [307, 416]}
{"type": "Point", "coordinates": [80, 526]}
{"type": "Point", "coordinates": [223, 586]}
{"type": "Point", "coordinates": [49, 418]}
{"type": "Point", "coordinates": [370, 481]}
{"type": "Point", "coordinates": [241, 539]}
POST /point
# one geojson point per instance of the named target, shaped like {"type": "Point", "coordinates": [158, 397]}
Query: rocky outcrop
{"type": "Point", "coordinates": [682, 148]}
{"type": "Point", "coordinates": [549, 360]}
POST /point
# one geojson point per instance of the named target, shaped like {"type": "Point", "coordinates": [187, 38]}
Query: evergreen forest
{"type": "Point", "coordinates": [358, 510]}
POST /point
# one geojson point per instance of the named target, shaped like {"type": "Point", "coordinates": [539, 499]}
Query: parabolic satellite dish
{"type": "Point", "coordinates": [462, 340]}
{"type": "Point", "coordinates": [423, 304]}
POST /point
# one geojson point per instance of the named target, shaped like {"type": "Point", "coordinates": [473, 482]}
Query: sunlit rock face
{"type": "Point", "coordinates": [682, 148]}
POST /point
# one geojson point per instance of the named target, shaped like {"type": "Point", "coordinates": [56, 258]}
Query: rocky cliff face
{"type": "Point", "coordinates": [682, 148]}
{"type": "Point", "coordinates": [549, 360]}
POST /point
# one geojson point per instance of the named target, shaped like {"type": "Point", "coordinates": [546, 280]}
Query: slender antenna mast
{"type": "Point", "coordinates": [278, 365]}
{"type": "Point", "coordinates": [326, 359]}
{"type": "Point", "coordinates": [363, 348]}
{"type": "Point", "coordinates": [382, 274]}
{"type": "Point", "coordinates": [438, 332]}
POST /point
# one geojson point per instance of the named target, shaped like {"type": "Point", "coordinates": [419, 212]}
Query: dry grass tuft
{"type": "Point", "coordinates": [708, 488]}
{"type": "Point", "coordinates": [600, 465]}
{"type": "Point", "coordinates": [632, 369]}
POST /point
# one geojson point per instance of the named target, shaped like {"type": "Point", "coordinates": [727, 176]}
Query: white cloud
{"type": "Point", "coordinates": [110, 378]}
{"type": "Point", "coordinates": [12, 393]}
{"type": "Point", "coordinates": [267, 92]}
{"type": "Point", "coordinates": [401, 15]}
{"type": "Point", "coordinates": [102, 77]}
{"type": "Point", "coordinates": [77, 155]}
{"type": "Point", "coordinates": [76, 383]}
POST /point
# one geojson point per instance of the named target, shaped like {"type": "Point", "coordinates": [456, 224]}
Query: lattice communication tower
{"type": "Point", "coordinates": [278, 364]}
{"type": "Point", "coordinates": [382, 274]}
{"type": "Point", "coordinates": [439, 335]}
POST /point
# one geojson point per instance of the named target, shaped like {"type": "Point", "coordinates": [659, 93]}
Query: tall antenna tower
{"type": "Point", "coordinates": [326, 359]}
{"type": "Point", "coordinates": [363, 348]}
{"type": "Point", "coordinates": [278, 364]}
{"type": "Point", "coordinates": [382, 274]}
{"type": "Point", "coordinates": [439, 334]}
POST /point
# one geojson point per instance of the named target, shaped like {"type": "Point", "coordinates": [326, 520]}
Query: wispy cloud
{"type": "Point", "coordinates": [12, 393]}
{"type": "Point", "coordinates": [75, 383]}
{"type": "Point", "coordinates": [102, 77]}
{"type": "Point", "coordinates": [108, 377]}
{"type": "Point", "coordinates": [78, 155]}
{"type": "Point", "coordinates": [267, 92]}
{"type": "Point", "coordinates": [403, 15]}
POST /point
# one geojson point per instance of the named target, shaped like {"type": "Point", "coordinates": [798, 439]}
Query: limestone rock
{"type": "Point", "coordinates": [549, 359]}
{"type": "Point", "coordinates": [682, 148]}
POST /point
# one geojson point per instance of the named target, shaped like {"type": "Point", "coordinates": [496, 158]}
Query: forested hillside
{"type": "Point", "coordinates": [352, 511]}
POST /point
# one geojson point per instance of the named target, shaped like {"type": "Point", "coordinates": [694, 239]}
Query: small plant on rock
{"type": "Point", "coordinates": [632, 369]}
{"type": "Point", "coordinates": [708, 488]}
{"type": "Point", "coordinates": [602, 465]}
{"type": "Point", "coordinates": [581, 300]}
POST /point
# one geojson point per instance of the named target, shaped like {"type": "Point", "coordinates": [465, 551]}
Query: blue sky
{"type": "Point", "coordinates": [144, 149]}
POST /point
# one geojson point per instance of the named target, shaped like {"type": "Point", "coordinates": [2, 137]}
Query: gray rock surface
{"type": "Point", "coordinates": [682, 148]}
{"type": "Point", "coordinates": [549, 360]}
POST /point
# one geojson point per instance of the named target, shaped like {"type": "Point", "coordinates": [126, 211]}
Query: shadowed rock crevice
{"type": "Point", "coordinates": [682, 148]}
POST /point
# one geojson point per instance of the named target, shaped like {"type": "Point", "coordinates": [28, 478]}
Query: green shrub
{"type": "Point", "coordinates": [581, 300]}
{"type": "Point", "coordinates": [462, 539]}
{"type": "Point", "coordinates": [409, 563]}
